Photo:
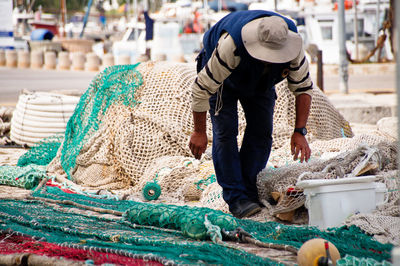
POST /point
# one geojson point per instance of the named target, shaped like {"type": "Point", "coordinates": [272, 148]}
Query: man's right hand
{"type": "Point", "coordinates": [198, 144]}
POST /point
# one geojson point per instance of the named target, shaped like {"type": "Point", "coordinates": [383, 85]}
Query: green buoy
{"type": "Point", "coordinates": [151, 191]}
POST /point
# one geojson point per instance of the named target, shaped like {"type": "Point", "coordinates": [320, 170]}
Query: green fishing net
{"type": "Point", "coordinates": [190, 221]}
{"type": "Point", "coordinates": [353, 261]}
{"type": "Point", "coordinates": [114, 84]}
{"type": "Point", "coordinates": [43, 152]}
{"type": "Point", "coordinates": [58, 224]}
{"type": "Point", "coordinates": [26, 177]}
{"type": "Point", "coordinates": [151, 229]}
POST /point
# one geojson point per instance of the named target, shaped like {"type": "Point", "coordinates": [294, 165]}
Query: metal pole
{"type": "Point", "coordinates": [205, 3]}
{"type": "Point", "coordinates": [136, 16]}
{"type": "Point", "coordinates": [378, 14]}
{"type": "Point", "coordinates": [355, 29]}
{"type": "Point", "coordinates": [396, 31]}
{"type": "Point", "coordinates": [85, 19]}
{"type": "Point", "coordinates": [320, 71]}
{"type": "Point", "coordinates": [63, 16]}
{"type": "Point", "coordinates": [343, 63]}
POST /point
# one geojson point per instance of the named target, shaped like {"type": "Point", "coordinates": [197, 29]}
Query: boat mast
{"type": "Point", "coordinates": [63, 16]}
{"type": "Point", "coordinates": [355, 20]}
{"type": "Point", "coordinates": [378, 14]}
{"type": "Point", "coordinates": [343, 63]}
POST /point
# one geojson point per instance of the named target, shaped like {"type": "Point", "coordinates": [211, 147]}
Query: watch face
{"type": "Point", "coordinates": [302, 131]}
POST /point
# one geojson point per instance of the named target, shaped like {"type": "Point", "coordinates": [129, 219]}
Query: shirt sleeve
{"type": "Point", "coordinates": [220, 65]}
{"type": "Point", "coordinates": [299, 80]}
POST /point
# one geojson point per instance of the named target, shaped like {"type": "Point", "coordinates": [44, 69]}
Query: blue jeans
{"type": "Point", "coordinates": [237, 170]}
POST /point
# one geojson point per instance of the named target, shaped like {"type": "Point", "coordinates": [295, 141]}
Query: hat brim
{"type": "Point", "coordinates": [284, 54]}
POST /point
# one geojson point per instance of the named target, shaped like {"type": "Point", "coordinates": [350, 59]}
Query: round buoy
{"type": "Point", "coordinates": [11, 58]}
{"type": "Point", "coordinates": [92, 62]}
{"type": "Point", "coordinates": [151, 191]}
{"type": "Point", "coordinates": [314, 250]}
{"type": "Point", "coordinates": [124, 60]}
{"type": "Point", "coordinates": [108, 60]}
{"type": "Point", "coordinates": [24, 59]}
{"type": "Point", "coordinates": [64, 63]}
{"type": "Point", "coordinates": [179, 59]}
{"type": "Point", "coordinates": [50, 60]}
{"type": "Point", "coordinates": [160, 57]}
{"type": "Point", "coordinates": [78, 61]}
{"type": "Point", "coordinates": [36, 59]}
{"type": "Point", "coordinates": [142, 58]}
{"type": "Point", "coordinates": [2, 57]}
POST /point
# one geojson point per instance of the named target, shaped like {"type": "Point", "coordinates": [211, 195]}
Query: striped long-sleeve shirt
{"type": "Point", "coordinates": [223, 61]}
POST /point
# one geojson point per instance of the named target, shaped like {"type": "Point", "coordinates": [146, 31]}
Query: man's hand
{"type": "Point", "coordinates": [198, 140]}
{"type": "Point", "coordinates": [298, 142]}
{"type": "Point", "coordinates": [298, 145]}
{"type": "Point", "coordinates": [198, 144]}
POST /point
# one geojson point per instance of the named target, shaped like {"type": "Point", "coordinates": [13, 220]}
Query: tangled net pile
{"type": "Point", "coordinates": [133, 122]}
{"type": "Point", "coordinates": [132, 127]}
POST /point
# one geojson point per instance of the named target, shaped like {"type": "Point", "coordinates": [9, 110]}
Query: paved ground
{"type": "Point", "coordinates": [379, 82]}
{"type": "Point", "coordinates": [13, 80]}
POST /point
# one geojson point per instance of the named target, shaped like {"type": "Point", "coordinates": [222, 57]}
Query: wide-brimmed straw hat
{"type": "Point", "coordinates": [269, 39]}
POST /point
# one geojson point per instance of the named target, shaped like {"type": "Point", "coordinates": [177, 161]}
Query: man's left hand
{"type": "Point", "coordinates": [299, 145]}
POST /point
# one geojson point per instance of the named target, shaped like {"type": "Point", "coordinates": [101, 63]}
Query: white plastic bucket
{"type": "Point", "coordinates": [331, 201]}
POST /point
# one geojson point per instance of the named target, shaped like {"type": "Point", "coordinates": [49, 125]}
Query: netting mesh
{"type": "Point", "coordinates": [26, 177]}
{"type": "Point", "coordinates": [55, 254]}
{"type": "Point", "coordinates": [156, 121]}
{"type": "Point", "coordinates": [82, 227]}
{"type": "Point", "coordinates": [116, 85]}
{"type": "Point", "coordinates": [43, 152]}
{"type": "Point", "coordinates": [132, 126]}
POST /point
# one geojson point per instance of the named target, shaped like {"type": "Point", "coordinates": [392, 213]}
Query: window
{"type": "Point", "coordinates": [326, 32]}
{"type": "Point", "coordinates": [326, 28]}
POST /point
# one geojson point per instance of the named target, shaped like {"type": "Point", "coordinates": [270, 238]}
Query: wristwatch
{"type": "Point", "coordinates": [301, 130]}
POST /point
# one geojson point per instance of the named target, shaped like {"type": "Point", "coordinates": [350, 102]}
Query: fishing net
{"type": "Point", "coordinates": [19, 246]}
{"type": "Point", "coordinates": [379, 160]}
{"type": "Point", "coordinates": [131, 116]}
{"type": "Point", "coordinates": [26, 177]}
{"type": "Point", "coordinates": [131, 129]}
{"type": "Point", "coordinates": [86, 222]}
{"type": "Point", "coordinates": [351, 260]}
{"type": "Point", "coordinates": [43, 152]}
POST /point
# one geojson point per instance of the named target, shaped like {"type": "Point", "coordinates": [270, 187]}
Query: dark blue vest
{"type": "Point", "coordinates": [250, 74]}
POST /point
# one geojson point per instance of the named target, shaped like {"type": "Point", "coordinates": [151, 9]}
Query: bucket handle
{"type": "Point", "coordinates": [386, 198]}
{"type": "Point", "coordinates": [302, 175]}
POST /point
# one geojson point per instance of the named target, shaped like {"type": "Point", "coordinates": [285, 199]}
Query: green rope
{"type": "Point", "coordinates": [212, 230]}
{"type": "Point", "coordinates": [209, 180]}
